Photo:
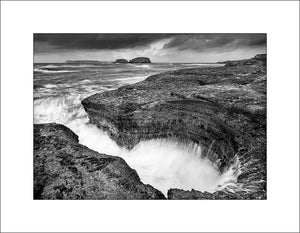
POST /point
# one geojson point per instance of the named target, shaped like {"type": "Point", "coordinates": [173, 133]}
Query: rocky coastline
{"type": "Point", "coordinates": [223, 109]}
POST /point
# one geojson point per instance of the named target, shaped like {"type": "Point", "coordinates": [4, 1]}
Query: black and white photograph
{"type": "Point", "coordinates": [150, 116]}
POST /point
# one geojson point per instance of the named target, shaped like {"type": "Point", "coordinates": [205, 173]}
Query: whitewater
{"type": "Point", "coordinates": [162, 163]}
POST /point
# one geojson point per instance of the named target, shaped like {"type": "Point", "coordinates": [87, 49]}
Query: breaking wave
{"type": "Point", "coordinates": [162, 163]}
{"type": "Point", "coordinates": [130, 80]}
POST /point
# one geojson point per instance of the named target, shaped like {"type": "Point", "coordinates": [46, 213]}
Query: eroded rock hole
{"type": "Point", "coordinates": [165, 163]}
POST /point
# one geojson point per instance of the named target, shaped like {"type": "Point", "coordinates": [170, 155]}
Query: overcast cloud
{"type": "Point", "coordinates": [159, 47]}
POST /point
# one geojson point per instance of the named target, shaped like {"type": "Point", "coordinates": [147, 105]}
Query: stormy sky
{"type": "Point", "coordinates": [158, 47]}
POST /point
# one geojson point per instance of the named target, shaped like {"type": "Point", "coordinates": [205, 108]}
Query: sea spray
{"type": "Point", "coordinates": [162, 163]}
{"type": "Point", "coordinates": [168, 164]}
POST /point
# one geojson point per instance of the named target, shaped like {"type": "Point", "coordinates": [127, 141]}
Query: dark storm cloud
{"type": "Point", "coordinates": [203, 42]}
{"type": "Point", "coordinates": [95, 41]}
{"type": "Point", "coordinates": [193, 42]}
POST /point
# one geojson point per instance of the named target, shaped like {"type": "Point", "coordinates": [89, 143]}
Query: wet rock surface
{"type": "Point", "coordinates": [221, 108]}
{"type": "Point", "coordinates": [65, 169]}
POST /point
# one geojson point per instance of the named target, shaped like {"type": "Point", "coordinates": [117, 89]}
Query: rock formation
{"type": "Point", "coordinates": [262, 57]}
{"type": "Point", "coordinates": [121, 61]}
{"type": "Point", "coordinates": [65, 169]}
{"type": "Point", "coordinates": [258, 60]}
{"type": "Point", "coordinates": [221, 108]}
{"type": "Point", "coordinates": [140, 60]}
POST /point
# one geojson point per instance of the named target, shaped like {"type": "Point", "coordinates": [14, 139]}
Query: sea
{"type": "Point", "coordinates": [59, 89]}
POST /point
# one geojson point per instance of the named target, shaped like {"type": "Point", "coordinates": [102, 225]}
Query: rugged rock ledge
{"type": "Point", "coordinates": [258, 60]}
{"type": "Point", "coordinates": [65, 169]}
{"type": "Point", "coordinates": [221, 108]}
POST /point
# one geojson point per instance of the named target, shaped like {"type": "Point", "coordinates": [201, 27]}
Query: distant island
{"type": "Point", "coordinates": [140, 60]}
{"type": "Point", "coordinates": [134, 60]}
{"type": "Point", "coordinates": [121, 61]}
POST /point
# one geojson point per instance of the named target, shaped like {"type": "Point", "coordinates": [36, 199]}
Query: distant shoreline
{"type": "Point", "coordinates": [108, 62]}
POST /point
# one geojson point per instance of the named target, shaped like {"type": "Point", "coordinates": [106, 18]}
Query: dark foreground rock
{"type": "Point", "coordinates": [179, 194]}
{"type": "Point", "coordinates": [121, 61]}
{"type": "Point", "coordinates": [65, 169]}
{"type": "Point", "coordinates": [222, 108]}
{"type": "Point", "coordinates": [140, 60]}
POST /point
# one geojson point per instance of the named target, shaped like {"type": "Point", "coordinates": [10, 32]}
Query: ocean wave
{"type": "Point", "coordinates": [130, 80]}
{"type": "Point", "coordinates": [141, 66]}
{"type": "Point", "coordinates": [50, 85]}
{"type": "Point", "coordinates": [86, 81]}
{"type": "Point", "coordinates": [66, 66]}
{"type": "Point", "coordinates": [53, 71]}
{"type": "Point", "coordinates": [49, 66]}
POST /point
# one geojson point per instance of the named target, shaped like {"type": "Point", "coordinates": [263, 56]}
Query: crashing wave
{"type": "Point", "coordinates": [163, 163]}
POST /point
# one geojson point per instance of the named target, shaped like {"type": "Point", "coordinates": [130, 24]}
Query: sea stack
{"type": "Point", "coordinates": [121, 61]}
{"type": "Point", "coordinates": [140, 60]}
